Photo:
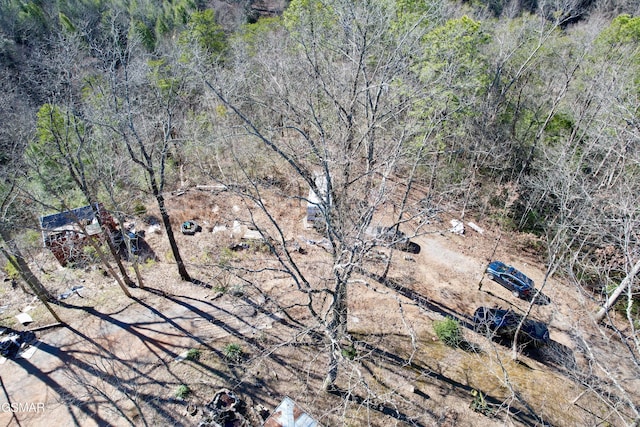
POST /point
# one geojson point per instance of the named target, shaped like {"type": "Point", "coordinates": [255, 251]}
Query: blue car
{"type": "Point", "coordinates": [520, 285]}
{"type": "Point", "coordinates": [504, 323]}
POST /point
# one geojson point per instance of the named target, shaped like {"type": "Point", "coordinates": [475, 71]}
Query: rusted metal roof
{"type": "Point", "coordinates": [289, 414]}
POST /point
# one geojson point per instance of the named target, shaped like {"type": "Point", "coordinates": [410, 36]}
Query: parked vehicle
{"type": "Point", "coordinates": [517, 282]}
{"type": "Point", "coordinates": [504, 323]}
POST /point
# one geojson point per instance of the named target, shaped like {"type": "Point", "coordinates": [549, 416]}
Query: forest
{"type": "Point", "coordinates": [521, 115]}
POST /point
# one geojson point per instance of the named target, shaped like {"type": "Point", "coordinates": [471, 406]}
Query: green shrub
{"type": "Point", "coordinates": [349, 352]}
{"type": "Point", "coordinates": [11, 271]}
{"type": "Point", "coordinates": [139, 209]}
{"type": "Point", "coordinates": [232, 352]}
{"type": "Point", "coordinates": [90, 253]}
{"type": "Point", "coordinates": [448, 331]}
{"type": "Point", "coordinates": [193, 354]}
{"type": "Point", "coordinates": [220, 288]}
{"type": "Point", "coordinates": [182, 391]}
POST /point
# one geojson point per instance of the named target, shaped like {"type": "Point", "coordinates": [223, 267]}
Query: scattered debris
{"type": "Point", "coordinates": [190, 228]}
{"type": "Point", "coordinates": [315, 201]}
{"type": "Point", "coordinates": [214, 187]}
{"type": "Point", "coordinates": [67, 233]}
{"type": "Point", "coordinates": [393, 237]}
{"type": "Point", "coordinates": [237, 231]}
{"type": "Point", "coordinates": [151, 220]}
{"type": "Point", "coordinates": [225, 409]}
{"type": "Point", "coordinates": [262, 412]}
{"type": "Point", "coordinates": [219, 228]}
{"type": "Point", "coordinates": [182, 356]}
{"type": "Point", "coordinates": [323, 243]}
{"type": "Point", "coordinates": [457, 227]}
{"type": "Point", "coordinates": [12, 342]}
{"type": "Point", "coordinates": [24, 318]}
{"type": "Point", "coordinates": [377, 255]}
{"type": "Point", "coordinates": [289, 414]}
{"type": "Point", "coordinates": [252, 235]}
{"type": "Point", "coordinates": [475, 227]}
{"type": "Point", "coordinates": [192, 409]}
{"type": "Point", "coordinates": [239, 246]}
{"type": "Point", "coordinates": [73, 290]}
{"type": "Point", "coordinates": [241, 231]}
{"type": "Point", "coordinates": [296, 247]}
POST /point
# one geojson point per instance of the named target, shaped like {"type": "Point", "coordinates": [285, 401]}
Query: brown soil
{"type": "Point", "coordinates": [118, 360]}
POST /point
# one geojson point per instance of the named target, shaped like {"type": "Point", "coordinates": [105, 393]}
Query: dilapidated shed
{"type": "Point", "coordinates": [66, 233]}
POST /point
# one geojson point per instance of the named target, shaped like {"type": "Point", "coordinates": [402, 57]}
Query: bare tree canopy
{"type": "Point", "coordinates": [238, 137]}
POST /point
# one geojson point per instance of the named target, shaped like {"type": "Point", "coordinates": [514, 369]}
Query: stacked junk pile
{"type": "Point", "coordinates": [226, 409]}
{"type": "Point", "coordinates": [12, 342]}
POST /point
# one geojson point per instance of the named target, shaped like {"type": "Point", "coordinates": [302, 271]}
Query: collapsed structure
{"type": "Point", "coordinates": [66, 233]}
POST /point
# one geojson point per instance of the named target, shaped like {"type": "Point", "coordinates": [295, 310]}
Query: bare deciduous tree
{"type": "Point", "coordinates": [141, 115]}
{"type": "Point", "coordinates": [332, 105]}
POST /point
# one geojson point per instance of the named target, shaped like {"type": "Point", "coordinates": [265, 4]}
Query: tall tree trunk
{"type": "Point", "coordinates": [182, 270]}
{"type": "Point", "coordinates": [103, 259]}
{"type": "Point", "coordinates": [137, 271]}
{"type": "Point", "coordinates": [336, 329]}
{"type": "Point", "coordinates": [107, 233]}
{"type": "Point", "coordinates": [127, 241]}
{"type": "Point", "coordinates": [118, 260]}
{"type": "Point", "coordinates": [14, 256]}
{"type": "Point", "coordinates": [332, 368]}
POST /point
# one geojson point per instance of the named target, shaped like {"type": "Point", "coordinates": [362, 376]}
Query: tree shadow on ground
{"type": "Point", "coordinates": [541, 299]}
{"type": "Point", "coordinates": [524, 414]}
{"type": "Point", "coordinates": [83, 374]}
{"type": "Point", "coordinates": [45, 377]}
{"type": "Point", "coordinates": [556, 354]}
{"type": "Point", "coordinates": [422, 301]}
{"type": "Point", "coordinates": [389, 410]}
{"type": "Point", "coordinates": [160, 346]}
{"type": "Point", "coordinates": [260, 348]}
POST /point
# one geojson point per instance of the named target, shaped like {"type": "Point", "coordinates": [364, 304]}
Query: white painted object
{"type": "Point", "coordinates": [24, 318]}
{"type": "Point", "coordinates": [457, 227]}
{"type": "Point", "coordinates": [475, 227]}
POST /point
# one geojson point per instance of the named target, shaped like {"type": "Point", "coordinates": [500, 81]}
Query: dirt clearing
{"type": "Point", "coordinates": [122, 361]}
